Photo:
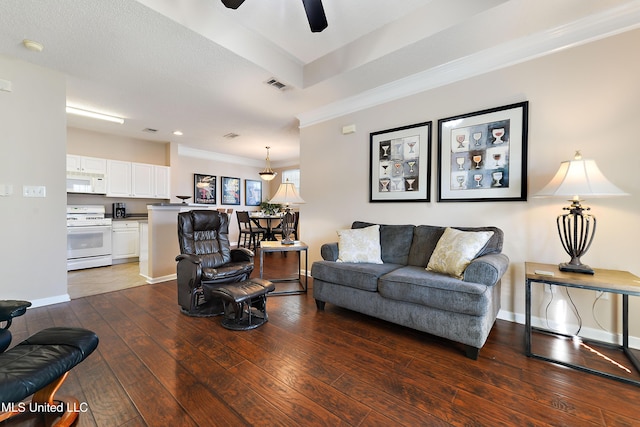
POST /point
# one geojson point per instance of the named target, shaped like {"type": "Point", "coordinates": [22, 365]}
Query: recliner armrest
{"type": "Point", "coordinates": [329, 251]}
{"type": "Point", "coordinates": [487, 269]}
{"type": "Point", "coordinates": [189, 257]}
{"type": "Point", "coordinates": [241, 254]}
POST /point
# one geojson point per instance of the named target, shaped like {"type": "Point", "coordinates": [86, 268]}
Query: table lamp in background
{"type": "Point", "coordinates": [578, 178]}
{"type": "Point", "coordinates": [287, 195]}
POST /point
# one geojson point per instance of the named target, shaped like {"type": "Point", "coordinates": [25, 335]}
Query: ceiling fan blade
{"type": "Point", "coordinates": [232, 4]}
{"type": "Point", "coordinates": [315, 15]}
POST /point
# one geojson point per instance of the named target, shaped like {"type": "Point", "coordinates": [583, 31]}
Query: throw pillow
{"type": "Point", "coordinates": [456, 249]}
{"type": "Point", "coordinates": [360, 245]}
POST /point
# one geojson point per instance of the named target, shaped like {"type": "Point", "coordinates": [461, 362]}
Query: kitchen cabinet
{"type": "Point", "coordinates": [126, 179]}
{"type": "Point", "coordinates": [125, 239]}
{"type": "Point", "coordinates": [85, 164]}
{"type": "Point", "coordinates": [118, 179]}
{"type": "Point", "coordinates": [161, 182]}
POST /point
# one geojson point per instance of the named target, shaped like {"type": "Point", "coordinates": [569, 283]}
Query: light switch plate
{"type": "Point", "coordinates": [34, 191]}
{"type": "Point", "coordinates": [5, 85]}
{"type": "Point", "coordinates": [6, 189]}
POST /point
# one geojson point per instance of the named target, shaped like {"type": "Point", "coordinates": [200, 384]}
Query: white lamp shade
{"type": "Point", "coordinates": [579, 178]}
{"type": "Point", "coordinates": [287, 195]}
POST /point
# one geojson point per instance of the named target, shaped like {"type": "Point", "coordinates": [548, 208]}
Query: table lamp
{"type": "Point", "coordinates": [578, 178]}
{"type": "Point", "coordinates": [287, 195]}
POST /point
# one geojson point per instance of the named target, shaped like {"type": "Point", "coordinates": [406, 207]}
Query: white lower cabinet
{"type": "Point", "coordinates": [125, 239]}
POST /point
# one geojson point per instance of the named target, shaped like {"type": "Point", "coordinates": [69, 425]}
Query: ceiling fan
{"type": "Point", "coordinates": [315, 12]}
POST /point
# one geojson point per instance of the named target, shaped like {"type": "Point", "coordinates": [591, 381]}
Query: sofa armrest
{"type": "Point", "coordinates": [329, 251]}
{"type": "Point", "coordinates": [487, 269]}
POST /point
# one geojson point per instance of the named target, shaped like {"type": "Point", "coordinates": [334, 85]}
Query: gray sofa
{"type": "Point", "coordinates": [402, 291]}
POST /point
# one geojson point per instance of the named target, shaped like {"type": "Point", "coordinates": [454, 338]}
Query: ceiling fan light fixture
{"type": "Point", "coordinates": [268, 174]}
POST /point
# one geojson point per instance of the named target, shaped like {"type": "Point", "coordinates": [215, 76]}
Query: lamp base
{"type": "Point", "coordinates": [573, 268]}
{"type": "Point", "coordinates": [287, 242]}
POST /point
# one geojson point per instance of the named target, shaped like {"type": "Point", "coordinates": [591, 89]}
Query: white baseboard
{"type": "Point", "coordinates": [41, 302]}
{"type": "Point", "coordinates": [585, 332]}
{"type": "Point", "coordinates": [154, 280]}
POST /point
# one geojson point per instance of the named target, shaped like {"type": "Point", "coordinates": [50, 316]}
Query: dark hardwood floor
{"type": "Point", "coordinates": [157, 367]}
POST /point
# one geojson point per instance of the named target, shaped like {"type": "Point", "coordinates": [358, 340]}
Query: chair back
{"type": "Point", "coordinates": [205, 233]}
{"type": "Point", "coordinates": [244, 222]}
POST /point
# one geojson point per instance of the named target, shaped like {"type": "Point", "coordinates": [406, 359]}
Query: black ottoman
{"type": "Point", "coordinates": [245, 303]}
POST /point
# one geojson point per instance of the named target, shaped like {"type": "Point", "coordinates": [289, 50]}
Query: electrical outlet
{"type": "Point", "coordinates": [602, 295]}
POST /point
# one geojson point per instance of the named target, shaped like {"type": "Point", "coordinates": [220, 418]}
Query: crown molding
{"type": "Point", "coordinates": [594, 27]}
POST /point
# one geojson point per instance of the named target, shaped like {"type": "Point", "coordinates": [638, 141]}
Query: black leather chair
{"type": "Point", "coordinates": [206, 261]}
{"type": "Point", "coordinates": [39, 365]}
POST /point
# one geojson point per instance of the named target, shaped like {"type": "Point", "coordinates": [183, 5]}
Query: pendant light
{"type": "Point", "coordinates": [268, 174]}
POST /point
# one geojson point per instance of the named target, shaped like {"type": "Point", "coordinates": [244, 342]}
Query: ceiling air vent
{"type": "Point", "coordinates": [231, 135]}
{"type": "Point", "coordinates": [150, 130]}
{"type": "Point", "coordinates": [277, 84]}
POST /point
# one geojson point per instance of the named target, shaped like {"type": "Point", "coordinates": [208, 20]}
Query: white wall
{"type": "Point", "coordinates": [184, 166]}
{"type": "Point", "coordinates": [584, 98]}
{"type": "Point", "coordinates": [32, 143]}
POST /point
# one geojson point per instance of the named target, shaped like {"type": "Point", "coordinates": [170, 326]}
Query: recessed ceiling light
{"type": "Point", "coordinates": [177, 133]}
{"type": "Point", "coordinates": [33, 46]}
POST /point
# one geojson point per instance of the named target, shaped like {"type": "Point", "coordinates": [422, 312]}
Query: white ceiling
{"type": "Point", "coordinates": [195, 66]}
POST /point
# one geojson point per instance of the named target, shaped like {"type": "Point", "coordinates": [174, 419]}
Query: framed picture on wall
{"type": "Point", "coordinates": [482, 156]}
{"type": "Point", "coordinates": [252, 192]}
{"type": "Point", "coordinates": [400, 164]}
{"type": "Point", "coordinates": [230, 191]}
{"type": "Point", "coordinates": [204, 189]}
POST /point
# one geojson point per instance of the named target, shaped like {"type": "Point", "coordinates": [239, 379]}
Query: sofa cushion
{"type": "Point", "coordinates": [416, 285]}
{"type": "Point", "coordinates": [426, 237]}
{"type": "Point", "coordinates": [355, 275]}
{"type": "Point", "coordinates": [456, 249]}
{"type": "Point", "coordinates": [395, 241]}
{"type": "Point", "coordinates": [361, 245]}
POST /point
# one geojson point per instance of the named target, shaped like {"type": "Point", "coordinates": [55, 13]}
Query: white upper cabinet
{"type": "Point", "coordinates": [86, 164]}
{"type": "Point", "coordinates": [161, 182]}
{"type": "Point", "coordinates": [126, 179]}
{"type": "Point", "coordinates": [119, 179]}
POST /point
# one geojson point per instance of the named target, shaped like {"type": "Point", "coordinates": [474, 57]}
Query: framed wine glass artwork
{"type": "Point", "coordinates": [400, 164]}
{"type": "Point", "coordinates": [482, 156]}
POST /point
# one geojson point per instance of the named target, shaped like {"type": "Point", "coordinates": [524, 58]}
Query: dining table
{"type": "Point", "coordinates": [256, 217]}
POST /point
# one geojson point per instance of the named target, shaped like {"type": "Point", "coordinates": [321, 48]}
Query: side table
{"type": "Point", "coordinates": [611, 281]}
{"type": "Point", "coordinates": [270, 247]}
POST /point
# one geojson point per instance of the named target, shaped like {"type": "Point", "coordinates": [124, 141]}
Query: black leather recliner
{"type": "Point", "coordinates": [38, 366]}
{"type": "Point", "coordinates": [206, 261]}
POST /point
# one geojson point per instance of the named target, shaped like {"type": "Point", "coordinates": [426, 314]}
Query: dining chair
{"type": "Point", "coordinates": [248, 230]}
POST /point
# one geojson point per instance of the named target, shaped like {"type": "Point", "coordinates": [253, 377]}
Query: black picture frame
{"type": "Point", "coordinates": [252, 192]}
{"type": "Point", "coordinates": [204, 189]}
{"type": "Point", "coordinates": [230, 191]}
{"type": "Point", "coordinates": [482, 156]}
{"type": "Point", "coordinates": [400, 164]}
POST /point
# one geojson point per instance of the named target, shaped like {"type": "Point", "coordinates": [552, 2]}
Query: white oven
{"type": "Point", "coordinates": [88, 237]}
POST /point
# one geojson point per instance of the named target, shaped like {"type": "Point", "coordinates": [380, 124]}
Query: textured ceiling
{"type": "Point", "coordinates": [196, 66]}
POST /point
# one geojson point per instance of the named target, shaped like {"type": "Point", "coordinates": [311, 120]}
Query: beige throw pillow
{"type": "Point", "coordinates": [456, 249]}
{"type": "Point", "coordinates": [360, 245]}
